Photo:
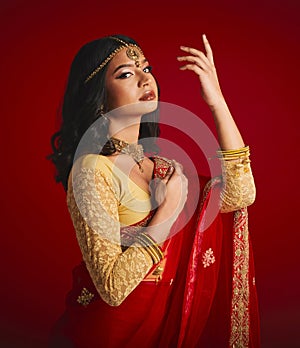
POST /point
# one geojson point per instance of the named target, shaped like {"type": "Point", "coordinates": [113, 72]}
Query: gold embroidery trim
{"type": "Point", "coordinates": [239, 336]}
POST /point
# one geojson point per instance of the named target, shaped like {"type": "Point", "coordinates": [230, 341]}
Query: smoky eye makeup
{"type": "Point", "coordinates": [124, 75]}
{"type": "Point", "coordinates": [127, 74]}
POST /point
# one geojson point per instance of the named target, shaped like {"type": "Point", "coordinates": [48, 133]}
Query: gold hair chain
{"type": "Point", "coordinates": [133, 52]}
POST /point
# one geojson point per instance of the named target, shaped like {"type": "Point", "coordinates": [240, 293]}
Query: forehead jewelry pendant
{"type": "Point", "coordinates": [133, 54]}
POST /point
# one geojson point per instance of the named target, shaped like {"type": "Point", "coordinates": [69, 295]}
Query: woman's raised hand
{"type": "Point", "coordinates": [203, 66]}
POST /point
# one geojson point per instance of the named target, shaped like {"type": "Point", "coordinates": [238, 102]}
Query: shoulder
{"type": "Point", "coordinates": [90, 165]}
{"type": "Point", "coordinates": [93, 173]}
{"type": "Point", "coordinates": [94, 162]}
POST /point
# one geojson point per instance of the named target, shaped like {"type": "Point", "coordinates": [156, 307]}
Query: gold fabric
{"type": "Point", "coordinates": [101, 199]}
{"type": "Point", "coordinates": [238, 189]}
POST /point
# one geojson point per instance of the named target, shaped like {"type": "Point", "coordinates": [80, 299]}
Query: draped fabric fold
{"type": "Point", "coordinates": [206, 297]}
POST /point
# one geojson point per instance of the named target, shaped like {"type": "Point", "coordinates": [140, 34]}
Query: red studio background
{"type": "Point", "coordinates": [256, 49]}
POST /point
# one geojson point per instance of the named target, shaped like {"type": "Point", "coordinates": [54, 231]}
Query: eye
{"type": "Point", "coordinates": [124, 75]}
{"type": "Point", "coordinates": [147, 69]}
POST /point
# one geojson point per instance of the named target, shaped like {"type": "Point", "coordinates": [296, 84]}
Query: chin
{"type": "Point", "coordinates": [136, 109]}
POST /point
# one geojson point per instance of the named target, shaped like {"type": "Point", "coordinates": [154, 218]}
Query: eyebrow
{"type": "Point", "coordinates": [128, 65]}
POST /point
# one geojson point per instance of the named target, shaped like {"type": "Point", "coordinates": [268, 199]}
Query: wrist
{"type": "Point", "coordinates": [218, 104]}
{"type": "Point", "coordinates": [163, 216]}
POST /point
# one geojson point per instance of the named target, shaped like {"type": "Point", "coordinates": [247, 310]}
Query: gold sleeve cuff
{"type": "Point", "coordinates": [238, 189]}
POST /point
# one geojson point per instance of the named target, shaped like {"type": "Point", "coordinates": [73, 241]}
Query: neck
{"type": "Point", "coordinates": [127, 130]}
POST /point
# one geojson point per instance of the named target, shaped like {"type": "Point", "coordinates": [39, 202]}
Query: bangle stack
{"type": "Point", "coordinates": [235, 161]}
{"type": "Point", "coordinates": [229, 155]}
{"type": "Point", "coordinates": [150, 245]}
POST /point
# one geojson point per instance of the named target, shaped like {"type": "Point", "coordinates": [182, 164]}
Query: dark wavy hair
{"type": "Point", "coordinates": [81, 107]}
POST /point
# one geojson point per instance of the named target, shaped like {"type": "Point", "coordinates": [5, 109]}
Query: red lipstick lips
{"type": "Point", "coordinates": [148, 95]}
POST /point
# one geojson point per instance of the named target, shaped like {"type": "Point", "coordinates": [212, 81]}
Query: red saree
{"type": "Point", "coordinates": [206, 297]}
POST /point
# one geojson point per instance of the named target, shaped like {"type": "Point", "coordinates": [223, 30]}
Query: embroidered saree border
{"type": "Point", "coordinates": [240, 317]}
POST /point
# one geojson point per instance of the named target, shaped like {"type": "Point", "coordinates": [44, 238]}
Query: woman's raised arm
{"type": "Point", "coordinates": [239, 188]}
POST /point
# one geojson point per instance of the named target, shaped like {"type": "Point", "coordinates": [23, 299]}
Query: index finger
{"type": "Point", "coordinates": [208, 49]}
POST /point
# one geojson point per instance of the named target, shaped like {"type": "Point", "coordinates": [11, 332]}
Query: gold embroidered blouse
{"type": "Point", "coordinates": [101, 200]}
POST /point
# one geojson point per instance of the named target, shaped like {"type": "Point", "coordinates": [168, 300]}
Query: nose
{"type": "Point", "coordinates": [144, 79]}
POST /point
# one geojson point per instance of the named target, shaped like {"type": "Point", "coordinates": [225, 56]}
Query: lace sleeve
{"type": "Point", "coordinates": [238, 189]}
{"type": "Point", "coordinates": [93, 207]}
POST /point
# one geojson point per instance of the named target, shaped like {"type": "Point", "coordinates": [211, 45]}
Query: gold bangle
{"type": "Point", "coordinates": [153, 243]}
{"type": "Point", "coordinates": [236, 157]}
{"type": "Point", "coordinates": [242, 149]}
{"type": "Point", "coordinates": [150, 251]}
{"type": "Point", "coordinates": [233, 154]}
{"type": "Point", "coordinates": [150, 246]}
{"type": "Point", "coordinates": [153, 250]}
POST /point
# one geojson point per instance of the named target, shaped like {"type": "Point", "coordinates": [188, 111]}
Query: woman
{"type": "Point", "coordinates": [154, 273]}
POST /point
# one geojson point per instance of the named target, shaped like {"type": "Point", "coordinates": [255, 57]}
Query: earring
{"type": "Point", "coordinates": [101, 110]}
{"type": "Point", "coordinates": [102, 113]}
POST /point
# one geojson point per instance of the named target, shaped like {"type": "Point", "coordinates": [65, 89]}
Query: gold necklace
{"type": "Point", "coordinates": [136, 151]}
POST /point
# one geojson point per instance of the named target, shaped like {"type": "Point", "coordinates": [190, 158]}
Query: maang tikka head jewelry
{"type": "Point", "coordinates": [133, 52]}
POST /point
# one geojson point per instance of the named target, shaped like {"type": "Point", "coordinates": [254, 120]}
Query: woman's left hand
{"type": "Point", "coordinates": [203, 65]}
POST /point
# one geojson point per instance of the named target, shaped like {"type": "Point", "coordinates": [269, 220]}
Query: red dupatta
{"type": "Point", "coordinates": [215, 302]}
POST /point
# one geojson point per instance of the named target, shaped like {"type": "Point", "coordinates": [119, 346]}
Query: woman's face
{"type": "Point", "coordinates": [128, 84]}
